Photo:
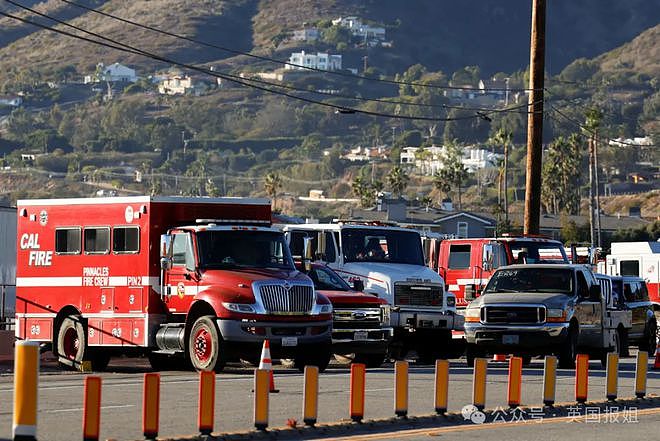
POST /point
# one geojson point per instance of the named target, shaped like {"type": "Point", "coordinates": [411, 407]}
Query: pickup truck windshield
{"type": "Point", "coordinates": [526, 280]}
{"type": "Point", "coordinates": [243, 249]}
{"type": "Point", "coordinates": [382, 245]}
{"type": "Point", "coordinates": [325, 279]}
{"type": "Point", "coordinates": [537, 252]}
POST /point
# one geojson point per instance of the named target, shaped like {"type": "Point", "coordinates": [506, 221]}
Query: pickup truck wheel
{"type": "Point", "coordinates": [568, 352]}
{"type": "Point", "coordinates": [472, 352]}
{"type": "Point", "coordinates": [205, 348]}
{"type": "Point", "coordinates": [71, 343]}
{"type": "Point", "coordinates": [319, 357]}
{"type": "Point", "coordinates": [649, 342]}
{"type": "Point", "coordinates": [370, 360]}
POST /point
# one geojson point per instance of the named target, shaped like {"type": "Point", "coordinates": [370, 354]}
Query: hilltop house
{"type": "Point", "coordinates": [359, 29]}
{"type": "Point", "coordinates": [306, 34]}
{"type": "Point", "coordinates": [11, 100]}
{"type": "Point", "coordinates": [320, 60]}
{"type": "Point", "coordinates": [367, 154]}
{"type": "Point", "coordinates": [114, 73]}
{"type": "Point", "coordinates": [181, 85]}
{"type": "Point", "coordinates": [429, 160]}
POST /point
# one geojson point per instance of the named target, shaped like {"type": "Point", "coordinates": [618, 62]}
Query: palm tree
{"type": "Point", "coordinates": [591, 125]}
{"type": "Point", "coordinates": [272, 184]}
{"type": "Point", "coordinates": [453, 173]}
{"type": "Point", "coordinates": [503, 137]}
{"type": "Point", "coordinates": [398, 180]}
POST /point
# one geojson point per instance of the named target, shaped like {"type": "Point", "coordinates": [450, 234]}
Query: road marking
{"type": "Point", "coordinates": [78, 409]}
{"type": "Point", "coordinates": [470, 427]}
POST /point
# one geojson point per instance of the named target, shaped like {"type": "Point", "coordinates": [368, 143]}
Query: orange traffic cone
{"type": "Point", "coordinates": [656, 364]}
{"type": "Point", "coordinates": [267, 364]}
{"type": "Point", "coordinates": [499, 357]}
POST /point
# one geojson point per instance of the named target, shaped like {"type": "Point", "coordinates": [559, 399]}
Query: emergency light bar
{"type": "Point", "coordinates": [233, 221]}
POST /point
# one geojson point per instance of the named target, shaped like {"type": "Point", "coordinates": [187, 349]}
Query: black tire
{"type": "Point", "coordinates": [568, 351]}
{"type": "Point", "coordinates": [319, 356]}
{"type": "Point", "coordinates": [100, 359]}
{"type": "Point", "coordinates": [649, 342]}
{"type": "Point", "coordinates": [205, 345]}
{"type": "Point", "coordinates": [71, 343]}
{"type": "Point", "coordinates": [165, 362]}
{"type": "Point", "coordinates": [472, 352]}
{"type": "Point", "coordinates": [526, 360]}
{"type": "Point", "coordinates": [370, 360]}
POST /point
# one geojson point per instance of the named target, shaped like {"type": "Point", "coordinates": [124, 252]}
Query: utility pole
{"type": "Point", "coordinates": [592, 224]}
{"type": "Point", "coordinates": [598, 241]}
{"type": "Point", "coordinates": [535, 120]}
{"type": "Point", "coordinates": [364, 68]}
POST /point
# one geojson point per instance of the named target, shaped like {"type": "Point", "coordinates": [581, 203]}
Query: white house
{"type": "Point", "coordinates": [11, 101]}
{"type": "Point", "coordinates": [306, 34]}
{"type": "Point", "coordinates": [358, 154]}
{"type": "Point", "coordinates": [114, 73]}
{"type": "Point", "coordinates": [359, 29]}
{"type": "Point", "coordinates": [430, 160]}
{"type": "Point", "coordinates": [320, 60]}
{"type": "Point", "coordinates": [636, 141]}
{"type": "Point", "coordinates": [180, 85]}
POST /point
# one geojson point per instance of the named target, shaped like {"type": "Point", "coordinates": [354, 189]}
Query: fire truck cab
{"type": "Point", "coordinates": [204, 278]}
{"type": "Point", "coordinates": [467, 264]}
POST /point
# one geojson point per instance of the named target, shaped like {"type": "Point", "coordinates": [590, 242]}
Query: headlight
{"type": "Point", "coordinates": [556, 315]}
{"type": "Point", "coordinates": [385, 314]}
{"type": "Point", "coordinates": [325, 309]}
{"type": "Point", "coordinates": [473, 314]}
{"type": "Point", "coordinates": [240, 307]}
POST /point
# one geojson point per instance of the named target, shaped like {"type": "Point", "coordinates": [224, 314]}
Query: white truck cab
{"type": "Point", "coordinates": [389, 263]}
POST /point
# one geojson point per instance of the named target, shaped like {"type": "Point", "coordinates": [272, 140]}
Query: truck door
{"type": "Point", "coordinates": [181, 280]}
{"type": "Point", "coordinates": [459, 270]}
{"type": "Point", "coordinates": [589, 313]}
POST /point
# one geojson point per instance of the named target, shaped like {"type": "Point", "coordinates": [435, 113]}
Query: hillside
{"type": "Point", "coordinates": [641, 55]}
{"type": "Point", "coordinates": [440, 34]}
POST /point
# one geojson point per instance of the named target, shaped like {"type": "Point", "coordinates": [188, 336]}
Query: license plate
{"type": "Point", "coordinates": [510, 339]}
{"type": "Point", "coordinates": [289, 341]}
{"type": "Point", "coordinates": [361, 335]}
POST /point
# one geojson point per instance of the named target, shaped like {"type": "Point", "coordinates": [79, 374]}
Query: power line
{"type": "Point", "coordinates": [263, 58]}
{"type": "Point", "coordinates": [246, 82]}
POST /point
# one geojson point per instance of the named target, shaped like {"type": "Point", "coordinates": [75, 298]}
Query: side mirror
{"type": "Point", "coordinates": [165, 263]}
{"type": "Point", "coordinates": [165, 245]}
{"type": "Point", "coordinates": [594, 293]}
{"type": "Point", "coordinates": [470, 293]}
{"type": "Point", "coordinates": [358, 285]}
{"type": "Point", "coordinates": [321, 246]}
{"type": "Point", "coordinates": [307, 254]}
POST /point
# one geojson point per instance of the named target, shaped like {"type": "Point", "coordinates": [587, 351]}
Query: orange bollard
{"type": "Point", "coordinates": [581, 378]}
{"type": "Point", "coordinates": [401, 388]}
{"type": "Point", "coordinates": [206, 402]}
{"type": "Point", "coordinates": [357, 392]}
{"type": "Point", "coordinates": [641, 370]}
{"type": "Point", "coordinates": [92, 408]}
{"type": "Point", "coordinates": [441, 385]}
{"type": "Point", "coordinates": [549, 380]}
{"type": "Point", "coordinates": [26, 382]}
{"type": "Point", "coordinates": [311, 395]}
{"type": "Point", "coordinates": [515, 382]}
{"type": "Point", "coordinates": [499, 357]}
{"type": "Point", "coordinates": [479, 383]}
{"type": "Point", "coordinates": [261, 399]}
{"type": "Point", "coordinates": [150, 405]}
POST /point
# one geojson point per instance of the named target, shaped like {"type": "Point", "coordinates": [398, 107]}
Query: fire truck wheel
{"type": "Point", "coordinates": [205, 345]}
{"type": "Point", "coordinates": [71, 343]}
{"type": "Point", "coordinates": [319, 357]}
{"type": "Point", "coordinates": [370, 360]}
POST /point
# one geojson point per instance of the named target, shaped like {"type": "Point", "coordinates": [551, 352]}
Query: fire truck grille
{"type": "Point", "coordinates": [513, 314]}
{"type": "Point", "coordinates": [418, 295]}
{"type": "Point", "coordinates": [283, 299]}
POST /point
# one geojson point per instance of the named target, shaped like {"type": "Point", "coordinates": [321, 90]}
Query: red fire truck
{"type": "Point", "coordinates": [203, 278]}
{"type": "Point", "coordinates": [467, 264]}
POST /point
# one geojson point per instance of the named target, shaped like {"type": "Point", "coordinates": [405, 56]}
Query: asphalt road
{"type": "Point", "coordinates": [60, 401]}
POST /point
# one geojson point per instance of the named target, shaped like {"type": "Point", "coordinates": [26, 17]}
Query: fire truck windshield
{"type": "Point", "coordinates": [243, 249]}
{"type": "Point", "coordinates": [376, 245]}
{"type": "Point", "coordinates": [537, 252]}
{"type": "Point", "coordinates": [524, 280]}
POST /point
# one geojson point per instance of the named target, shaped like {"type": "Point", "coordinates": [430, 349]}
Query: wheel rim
{"type": "Point", "coordinates": [71, 344]}
{"type": "Point", "coordinates": [203, 345]}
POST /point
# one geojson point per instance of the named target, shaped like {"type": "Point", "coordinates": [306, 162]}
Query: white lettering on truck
{"type": "Point", "coordinates": [35, 258]}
